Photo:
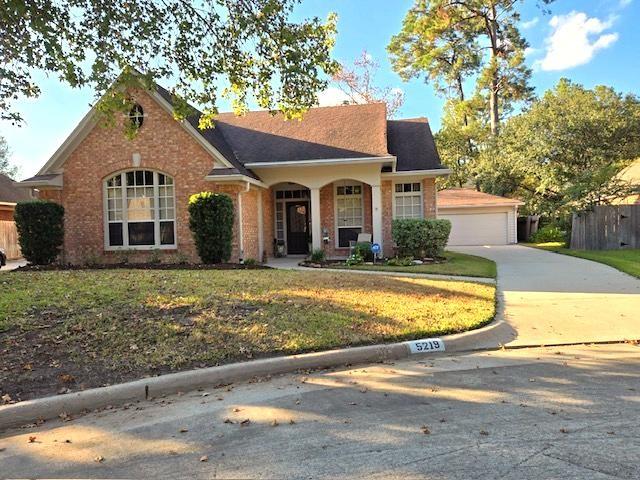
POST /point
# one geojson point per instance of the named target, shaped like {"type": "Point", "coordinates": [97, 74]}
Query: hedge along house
{"type": "Point", "coordinates": [296, 185]}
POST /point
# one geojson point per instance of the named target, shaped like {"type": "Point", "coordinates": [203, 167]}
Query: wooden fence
{"type": "Point", "coordinates": [9, 239]}
{"type": "Point", "coordinates": [607, 227]}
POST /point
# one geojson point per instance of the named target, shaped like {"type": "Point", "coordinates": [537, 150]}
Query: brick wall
{"type": "Point", "coordinates": [429, 197]}
{"type": "Point", "coordinates": [164, 146]}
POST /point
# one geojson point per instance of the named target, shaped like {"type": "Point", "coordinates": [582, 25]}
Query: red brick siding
{"type": "Point", "coordinates": [429, 197]}
{"type": "Point", "coordinates": [164, 146]}
{"type": "Point", "coordinates": [268, 220]}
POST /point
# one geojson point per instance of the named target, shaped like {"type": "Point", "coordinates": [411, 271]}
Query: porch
{"type": "Point", "coordinates": [329, 217]}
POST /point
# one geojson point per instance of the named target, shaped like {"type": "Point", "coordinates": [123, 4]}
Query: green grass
{"type": "Point", "coordinates": [456, 264]}
{"type": "Point", "coordinates": [627, 261]}
{"type": "Point", "coordinates": [130, 323]}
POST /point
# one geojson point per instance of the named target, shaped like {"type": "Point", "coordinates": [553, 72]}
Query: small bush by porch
{"type": "Point", "coordinates": [84, 328]}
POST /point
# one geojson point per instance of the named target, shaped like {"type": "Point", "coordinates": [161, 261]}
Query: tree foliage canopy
{"type": "Point", "coordinates": [564, 153]}
{"type": "Point", "coordinates": [450, 42]}
{"type": "Point", "coordinates": [249, 47]}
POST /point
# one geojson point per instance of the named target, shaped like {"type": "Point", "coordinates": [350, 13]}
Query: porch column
{"type": "Point", "coordinates": [376, 214]}
{"type": "Point", "coordinates": [316, 228]}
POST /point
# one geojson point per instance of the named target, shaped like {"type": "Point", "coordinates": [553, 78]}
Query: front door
{"type": "Point", "coordinates": [298, 228]}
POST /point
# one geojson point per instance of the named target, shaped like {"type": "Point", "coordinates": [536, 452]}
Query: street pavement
{"type": "Point", "coordinates": [547, 298]}
{"type": "Point", "coordinates": [541, 413]}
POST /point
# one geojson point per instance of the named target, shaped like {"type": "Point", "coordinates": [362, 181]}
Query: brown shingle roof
{"type": "Point", "coordinates": [460, 197]}
{"type": "Point", "coordinates": [340, 132]}
{"type": "Point", "coordinates": [346, 131]}
{"type": "Point", "coordinates": [10, 193]}
{"type": "Point", "coordinates": [412, 143]}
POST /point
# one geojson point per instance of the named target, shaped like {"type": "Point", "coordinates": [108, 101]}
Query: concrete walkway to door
{"type": "Point", "coordinates": [548, 298]}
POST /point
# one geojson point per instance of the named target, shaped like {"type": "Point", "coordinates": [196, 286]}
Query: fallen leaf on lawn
{"type": "Point", "coordinates": [611, 433]}
{"type": "Point", "coordinates": [297, 402]}
{"type": "Point", "coordinates": [228, 420]}
{"type": "Point", "coordinates": [275, 423]}
{"type": "Point", "coordinates": [564, 430]}
{"type": "Point", "coordinates": [32, 439]}
{"type": "Point", "coordinates": [66, 378]}
{"type": "Point", "coordinates": [204, 458]}
{"type": "Point", "coordinates": [64, 417]}
{"type": "Point", "coordinates": [99, 459]}
{"type": "Point", "coordinates": [245, 422]}
{"type": "Point", "coordinates": [425, 429]}
{"type": "Point", "coordinates": [184, 430]}
{"type": "Point", "coordinates": [236, 410]}
{"type": "Point", "coordinates": [292, 422]}
{"type": "Point", "coordinates": [532, 379]}
{"type": "Point", "coordinates": [484, 432]}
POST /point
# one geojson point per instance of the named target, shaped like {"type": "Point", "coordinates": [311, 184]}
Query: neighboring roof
{"type": "Point", "coordinates": [411, 141]}
{"type": "Point", "coordinates": [342, 132]}
{"type": "Point", "coordinates": [10, 193]}
{"type": "Point", "coordinates": [463, 197]}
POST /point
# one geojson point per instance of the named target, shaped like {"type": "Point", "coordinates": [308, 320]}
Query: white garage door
{"type": "Point", "coordinates": [478, 228]}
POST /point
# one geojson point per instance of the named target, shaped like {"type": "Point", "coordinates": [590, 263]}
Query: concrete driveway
{"type": "Point", "coordinates": [549, 299]}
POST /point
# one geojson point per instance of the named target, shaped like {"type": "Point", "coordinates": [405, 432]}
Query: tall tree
{"type": "Point", "coordinates": [5, 167]}
{"type": "Point", "coordinates": [460, 140]}
{"type": "Point", "coordinates": [359, 84]}
{"type": "Point", "coordinates": [564, 153]}
{"type": "Point", "coordinates": [247, 46]}
{"type": "Point", "coordinates": [450, 41]}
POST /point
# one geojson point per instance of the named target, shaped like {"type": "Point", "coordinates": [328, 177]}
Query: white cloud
{"type": "Point", "coordinates": [624, 3]}
{"type": "Point", "coordinates": [333, 96]}
{"type": "Point", "coordinates": [574, 40]}
{"type": "Point", "coordinates": [530, 23]}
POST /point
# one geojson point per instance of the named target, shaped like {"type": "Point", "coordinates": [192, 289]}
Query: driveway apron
{"type": "Point", "coordinates": [548, 298]}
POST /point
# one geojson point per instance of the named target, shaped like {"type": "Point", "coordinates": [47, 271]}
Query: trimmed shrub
{"type": "Point", "coordinates": [363, 249]}
{"type": "Point", "coordinates": [40, 226]}
{"type": "Point", "coordinates": [420, 238]}
{"type": "Point", "coordinates": [549, 233]}
{"type": "Point", "coordinates": [354, 259]}
{"type": "Point", "coordinates": [318, 256]}
{"type": "Point", "coordinates": [211, 222]}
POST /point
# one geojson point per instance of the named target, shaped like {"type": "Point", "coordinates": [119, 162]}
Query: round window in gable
{"type": "Point", "coordinates": [136, 116]}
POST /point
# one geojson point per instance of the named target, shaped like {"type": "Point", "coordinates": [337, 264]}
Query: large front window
{"type": "Point", "coordinates": [140, 210]}
{"type": "Point", "coordinates": [408, 200]}
{"type": "Point", "coordinates": [349, 212]}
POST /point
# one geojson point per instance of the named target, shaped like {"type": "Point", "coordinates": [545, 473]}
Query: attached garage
{"type": "Point", "coordinates": [478, 218]}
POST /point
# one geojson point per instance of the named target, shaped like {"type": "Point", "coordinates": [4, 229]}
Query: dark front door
{"type": "Point", "coordinates": [298, 228]}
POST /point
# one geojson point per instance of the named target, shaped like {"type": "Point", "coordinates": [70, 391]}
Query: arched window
{"type": "Point", "coordinates": [139, 210]}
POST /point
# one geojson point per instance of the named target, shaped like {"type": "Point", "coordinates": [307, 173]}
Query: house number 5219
{"type": "Point", "coordinates": [426, 345]}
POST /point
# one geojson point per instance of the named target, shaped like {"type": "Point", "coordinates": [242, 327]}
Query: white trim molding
{"type": "Point", "coordinates": [322, 161]}
{"type": "Point", "coordinates": [234, 178]}
{"type": "Point", "coordinates": [437, 172]}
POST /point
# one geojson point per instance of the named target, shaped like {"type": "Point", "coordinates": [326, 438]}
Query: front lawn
{"type": "Point", "coordinates": [77, 329]}
{"type": "Point", "coordinates": [456, 264]}
{"type": "Point", "coordinates": [627, 261]}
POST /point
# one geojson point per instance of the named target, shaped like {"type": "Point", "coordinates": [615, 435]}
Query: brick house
{"type": "Point", "coordinates": [302, 185]}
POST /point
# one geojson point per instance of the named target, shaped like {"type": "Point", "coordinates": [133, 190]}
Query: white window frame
{"type": "Point", "coordinates": [125, 220]}
{"type": "Point", "coordinates": [345, 183]}
{"type": "Point", "coordinates": [407, 194]}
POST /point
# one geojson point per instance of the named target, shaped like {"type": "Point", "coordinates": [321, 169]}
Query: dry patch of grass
{"type": "Point", "coordinates": [105, 326]}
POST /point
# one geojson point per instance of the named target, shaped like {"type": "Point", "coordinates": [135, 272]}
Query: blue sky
{"type": "Point", "coordinates": [589, 41]}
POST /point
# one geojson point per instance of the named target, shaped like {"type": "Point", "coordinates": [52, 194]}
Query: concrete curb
{"type": "Point", "coordinates": [30, 411]}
